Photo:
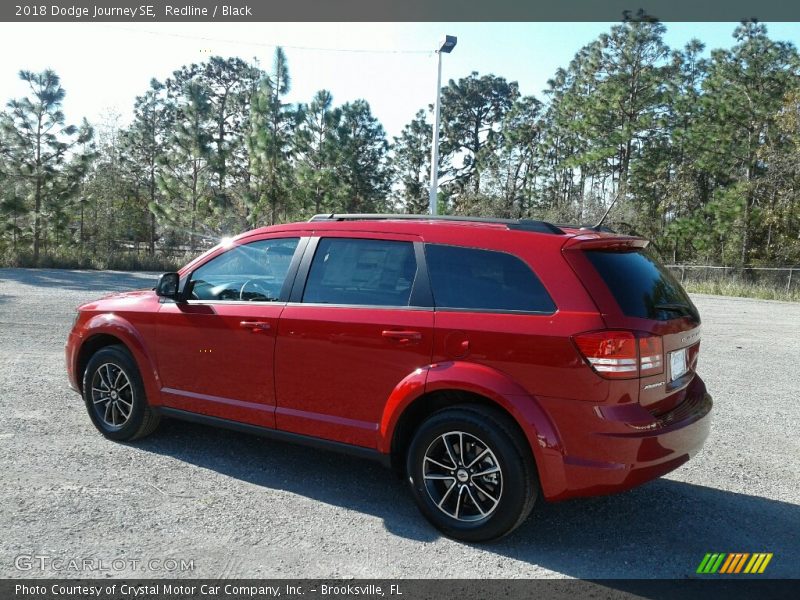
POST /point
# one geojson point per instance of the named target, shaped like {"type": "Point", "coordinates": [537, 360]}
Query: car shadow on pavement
{"type": "Point", "coordinates": [659, 530]}
{"type": "Point", "coordinates": [336, 479]}
{"type": "Point", "coordinates": [80, 281]}
{"type": "Point", "coordinates": [662, 529]}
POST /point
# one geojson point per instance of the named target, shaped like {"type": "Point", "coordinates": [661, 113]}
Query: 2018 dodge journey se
{"type": "Point", "coordinates": [489, 361]}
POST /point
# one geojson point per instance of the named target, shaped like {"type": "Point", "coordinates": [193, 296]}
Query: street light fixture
{"type": "Point", "coordinates": [446, 45]}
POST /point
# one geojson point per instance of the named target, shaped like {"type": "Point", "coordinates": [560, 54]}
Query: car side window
{"type": "Point", "coordinates": [471, 278]}
{"type": "Point", "coordinates": [361, 272]}
{"type": "Point", "coordinates": [253, 272]}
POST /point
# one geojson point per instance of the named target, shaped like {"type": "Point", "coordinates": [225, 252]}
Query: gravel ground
{"type": "Point", "coordinates": [243, 506]}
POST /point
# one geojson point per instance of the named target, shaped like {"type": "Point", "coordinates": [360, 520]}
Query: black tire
{"type": "Point", "coordinates": [513, 484]}
{"type": "Point", "coordinates": [112, 371]}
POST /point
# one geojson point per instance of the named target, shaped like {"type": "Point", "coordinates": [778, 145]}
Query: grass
{"type": "Point", "coordinates": [743, 290]}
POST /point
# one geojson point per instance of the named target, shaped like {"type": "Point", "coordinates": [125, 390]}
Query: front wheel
{"type": "Point", "coordinates": [115, 397]}
{"type": "Point", "coordinates": [472, 473]}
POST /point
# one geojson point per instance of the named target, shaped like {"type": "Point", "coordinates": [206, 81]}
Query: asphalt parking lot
{"type": "Point", "coordinates": [242, 506]}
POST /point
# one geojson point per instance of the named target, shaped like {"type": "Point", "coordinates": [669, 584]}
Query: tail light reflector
{"type": "Point", "coordinates": [616, 354]}
{"type": "Point", "coordinates": [651, 355]}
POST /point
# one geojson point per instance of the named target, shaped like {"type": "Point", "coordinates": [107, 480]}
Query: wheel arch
{"type": "Point", "coordinates": [423, 407]}
{"type": "Point", "coordinates": [112, 330]}
{"type": "Point", "coordinates": [89, 348]}
{"type": "Point", "coordinates": [453, 383]}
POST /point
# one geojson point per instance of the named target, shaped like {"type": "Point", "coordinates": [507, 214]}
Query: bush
{"type": "Point", "coordinates": [74, 259]}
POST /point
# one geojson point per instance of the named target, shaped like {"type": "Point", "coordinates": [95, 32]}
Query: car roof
{"type": "Point", "coordinates": [418, 224]}
{"type": "Point", "coordinates": [468, 230]}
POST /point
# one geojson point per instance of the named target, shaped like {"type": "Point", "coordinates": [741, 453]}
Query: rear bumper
{"type": "Point", "coordinates": [618, 456]}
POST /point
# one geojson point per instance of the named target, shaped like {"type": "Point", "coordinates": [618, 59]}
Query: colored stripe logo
{"type": "Point", "coordinates": [734, 562]}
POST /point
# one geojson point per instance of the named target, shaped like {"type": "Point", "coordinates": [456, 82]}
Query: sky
{"type": "Point", "coordinates": [104, 66]}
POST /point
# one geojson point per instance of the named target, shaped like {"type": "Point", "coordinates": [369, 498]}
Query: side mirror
{"type": "Point", "coordinates": [167, 286]}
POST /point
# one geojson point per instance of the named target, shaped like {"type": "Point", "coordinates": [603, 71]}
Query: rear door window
{"type": "Point", "coordinates": [361, 272]}
{"type": "Point", "coordinates": [475, 279]}
{"type": "Point", "coordinates": [642, 286]}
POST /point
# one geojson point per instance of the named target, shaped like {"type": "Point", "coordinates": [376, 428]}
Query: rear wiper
{"type": "Point", "coordinates": [676, 307]}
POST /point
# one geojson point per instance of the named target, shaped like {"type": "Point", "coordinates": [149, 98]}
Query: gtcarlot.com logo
{"type": "Point", "coordinates": [734, 563]}
{"type": "Point", "coordinates": [43, 562]}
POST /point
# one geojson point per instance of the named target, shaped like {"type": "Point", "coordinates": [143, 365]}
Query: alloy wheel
{"type": "Point", "coordinates": [462, 476]}
{"type": "Point", "coordinates": [112, 395]}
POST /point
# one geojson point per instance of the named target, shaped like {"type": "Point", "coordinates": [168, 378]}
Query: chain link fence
{"type": "Point", "coordinates": [779, 278]}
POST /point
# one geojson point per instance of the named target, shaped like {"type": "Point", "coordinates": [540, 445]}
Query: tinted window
{"type": "Point", "coordinates": [355, 271]}
{"type": "Point", "coordinates": [253, 272]}
{"type": "Point", "coordinates": [469, 278]}
{"type": "Point", "coordinates": [642, 286]}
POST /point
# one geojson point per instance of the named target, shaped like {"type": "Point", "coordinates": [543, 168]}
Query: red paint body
{"type": "Point", "coordinates": [348, 373]}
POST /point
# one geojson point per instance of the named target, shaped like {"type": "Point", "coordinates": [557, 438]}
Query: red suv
{"type": "Point", "coordinates": [489, 361]}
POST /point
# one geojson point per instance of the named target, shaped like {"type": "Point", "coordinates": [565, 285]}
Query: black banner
{"type": "Point", "coordinates": [398, 10]}
{"type": "Point", "coordinates": [400, 589]}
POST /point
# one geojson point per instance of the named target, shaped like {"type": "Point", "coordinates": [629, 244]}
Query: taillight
{"type": "Point", "coordinates": [616, 354]}
{"type": "Point", "coordinates": [651, 355]}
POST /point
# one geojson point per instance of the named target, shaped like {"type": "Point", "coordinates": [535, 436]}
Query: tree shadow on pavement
{"type": "Point", "coordinates": [659, 530]}
{"type": "Point", "coordinates": [81, 281]}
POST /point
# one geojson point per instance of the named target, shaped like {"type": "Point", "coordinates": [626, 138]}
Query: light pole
{"type": "Point", "coordinates": [446, 45]}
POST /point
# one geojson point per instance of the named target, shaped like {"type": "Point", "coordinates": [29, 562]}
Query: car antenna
{"type": "Point", "coordinates": [608, 210]}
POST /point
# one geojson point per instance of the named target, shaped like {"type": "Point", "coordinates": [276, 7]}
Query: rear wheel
{"type": "Point", "coordinates": [115, 397]}
{"type": "Point", "coordinates": [472, 473]}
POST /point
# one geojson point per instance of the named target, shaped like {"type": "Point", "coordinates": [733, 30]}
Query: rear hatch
{"type": "Point", "coordinates": [637, 295]}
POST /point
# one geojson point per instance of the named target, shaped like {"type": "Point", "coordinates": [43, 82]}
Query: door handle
{"type": "Point", "coordinates": [255, 326]}
{"type": "Point", "coordinates": [402, 336]}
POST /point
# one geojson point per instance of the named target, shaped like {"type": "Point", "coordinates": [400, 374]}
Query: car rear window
{"type": "Point", "coordinates": [642, 286]}
{"type": "Point", "coordinates": [474, 279]}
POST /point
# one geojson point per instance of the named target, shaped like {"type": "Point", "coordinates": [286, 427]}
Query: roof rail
{"type": "Point", "coordinates": [519, 224]}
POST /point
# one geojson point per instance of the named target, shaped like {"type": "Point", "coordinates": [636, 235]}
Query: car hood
{"type": "Point", "coordinates": [120, 300]}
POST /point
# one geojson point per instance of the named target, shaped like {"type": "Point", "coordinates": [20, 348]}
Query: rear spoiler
{"type": "Point", "coordinates": [605, 242]}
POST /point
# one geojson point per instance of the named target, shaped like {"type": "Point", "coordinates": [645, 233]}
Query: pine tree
{"type": "Point", "coordinates": [624, 112]}
{"type": "Point", "coordinates": [185, 168]}
{"type": "Point", "coordinates": [269, 144]}
{"type": "Point", "coordinates": [472, 110]}
{"type": "Point", "coordinates": [230, 84]}
{"type": "Point", "coordinates": [39, 143]}
{"type": "Point", "coordinates": [145, 145]}
{"type": "Point", "coordinates": [743, 94]}
{"type": "Point", "coordinates": [411, 164]}
{"type": "Point", "coordinates": [515, 164]}
{"type": "Point", "coordinates": [316, 153]}
{"type": "Point", "coordinates": [362, 169]}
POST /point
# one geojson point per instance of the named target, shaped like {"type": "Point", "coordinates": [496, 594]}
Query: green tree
{"type": "Point", "coordinates": [411, 164]}
{"type": "Point", "coordinates": [269, 144]}
{"type": "Point", "coordinates": [185, 168]}
{"type": "Point", "coordinates": [39, 143]}
{"type": "Point", "coordinates": [145, 146]}
{"type": "Point", "coordinates": [781, 216]}
{"type": "Point", "coordinates": [473, 109]}
{"type": "Point", "coordinates": [108, 212]}
{"type": "Point", "coordinates": [684, 188]}
{"type": "Point", "coordinates": [515, 164]}
{"type": "Point", "coordinates": [570, 169]}
{"type": "Point", "coordinates": [362, 169]}
{"type": "Point", "coordinates": [744, 93]}
{"type": "Point", "coordinates": [624, 111]}
{"type": "Point", "coordinates": [316, 153]}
